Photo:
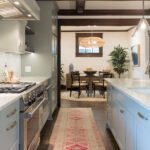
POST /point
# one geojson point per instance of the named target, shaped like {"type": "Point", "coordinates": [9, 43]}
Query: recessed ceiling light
{"type": "Point", "coordinates": [29, 15]}
{"type": "Point", "coordinates": [16, 3]}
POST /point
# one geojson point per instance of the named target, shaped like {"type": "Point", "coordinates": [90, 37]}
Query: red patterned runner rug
{"type": "Point", "coordinates": [75, 129]}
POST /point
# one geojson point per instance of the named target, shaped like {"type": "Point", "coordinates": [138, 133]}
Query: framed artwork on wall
{"type": "Point", "coordinates": [135, 52]}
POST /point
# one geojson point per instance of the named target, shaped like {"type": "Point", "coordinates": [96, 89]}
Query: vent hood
{"type": "Point", "coordinates": [19, 10]}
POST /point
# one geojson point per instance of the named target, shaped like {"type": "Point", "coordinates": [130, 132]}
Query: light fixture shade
{"type": "Point", "coordinates": [143, 24]}
{"type": "Point", "coordinates": [91, 42]}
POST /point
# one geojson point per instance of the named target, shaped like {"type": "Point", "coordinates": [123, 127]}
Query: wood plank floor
{"type": "Point", "coordinates": [100, 115]}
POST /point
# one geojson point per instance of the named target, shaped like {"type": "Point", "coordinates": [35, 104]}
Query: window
{"type": "Point", "coordinates": [88, 51]}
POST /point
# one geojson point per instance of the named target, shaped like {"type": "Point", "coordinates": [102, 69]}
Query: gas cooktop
{"type": "Point", "coordinates": [15, 87]}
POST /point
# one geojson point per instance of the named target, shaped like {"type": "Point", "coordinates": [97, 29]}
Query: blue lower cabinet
{"type": "Point", "coordinates": [121, 127]}
{"type": "Point", "coordinates": [123, 122]}
{"type": "Point", "coordinates": [142, 132]}
{"type": "Point", "coordinates": [130, 133]}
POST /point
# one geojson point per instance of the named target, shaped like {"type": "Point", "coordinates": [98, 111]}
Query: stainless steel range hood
{"type": "Point", "coordinates": [19, 10]}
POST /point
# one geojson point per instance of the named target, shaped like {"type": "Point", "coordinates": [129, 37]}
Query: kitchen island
{"type": "Point", "coordinates": [128, 112]}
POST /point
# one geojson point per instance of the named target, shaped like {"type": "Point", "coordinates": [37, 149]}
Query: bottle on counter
{"type": "Point", "coordinates": [5, 72]}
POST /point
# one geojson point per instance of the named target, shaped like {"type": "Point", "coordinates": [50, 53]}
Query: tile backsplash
{"type": "Point", "coordinates": [13, 62]}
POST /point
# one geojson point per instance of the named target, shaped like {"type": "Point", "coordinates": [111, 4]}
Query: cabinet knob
{"type": "Point", "coordinates": [121, 111]}
{"type": "Point", "coordinates": [142, 116]}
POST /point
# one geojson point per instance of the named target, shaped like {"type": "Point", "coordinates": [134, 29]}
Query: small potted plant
{"type": "Point", "coordinates": [119, 60]}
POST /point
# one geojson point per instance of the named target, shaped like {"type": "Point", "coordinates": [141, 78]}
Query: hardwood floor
{"type": "Point", "coordinates": [100, 115]}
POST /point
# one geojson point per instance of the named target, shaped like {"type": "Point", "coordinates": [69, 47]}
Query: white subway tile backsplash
{"type": "Point", "coordinates": [13, 62]}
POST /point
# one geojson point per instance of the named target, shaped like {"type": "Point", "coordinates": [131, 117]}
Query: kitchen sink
{"type": "Point", "coordinates": [141, 90]}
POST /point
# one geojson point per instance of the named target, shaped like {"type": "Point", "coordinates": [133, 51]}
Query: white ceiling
{"type": "Point", "coordinates": [104, 4]}
{"type": "Point", "coordinates": [66, 4]}
{"type": "Point", "coordinates": [115, 5]}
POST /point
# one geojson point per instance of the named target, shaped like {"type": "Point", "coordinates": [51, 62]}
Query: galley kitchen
{"type": "Point", "coordinates": [74, 74]}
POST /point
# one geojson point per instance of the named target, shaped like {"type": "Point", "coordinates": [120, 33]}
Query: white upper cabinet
{"type": "Point", "coordinates": [12, 36]}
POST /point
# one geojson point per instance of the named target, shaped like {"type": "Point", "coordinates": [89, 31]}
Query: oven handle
{"type": "Point", "coordinates": [29, 115]}
{"type": "Point", "coordinates": [48, 87]}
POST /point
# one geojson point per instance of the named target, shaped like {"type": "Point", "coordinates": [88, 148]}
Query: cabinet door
{"type": "Point", "coordinates": [121, 127]}
{"type": "Point", "coordinates": [12, 37]}
{"type": "Point", "coordinates": [109, 115]}
{"type": "Point", "coordinates": [53, 98]}
{"type": "Point", "coordinates": [114, 118]}
{"type": "Point", "coordinates": [109, 107]}
{"type": "Point", "coordinates": [142, 132]}
{"type": "Point", "coordinates": [130, 131]}
{"type": "Point", "coordinates": [109, 94]}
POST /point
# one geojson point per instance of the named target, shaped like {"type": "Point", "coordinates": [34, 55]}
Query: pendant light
{"type": "Point", "coordinates": [92, 41]}
{"type": "Point", "coordinates": [143, 23]}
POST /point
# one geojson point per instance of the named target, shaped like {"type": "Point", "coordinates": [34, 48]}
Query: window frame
{"type": "Point", "coordinates": [79, 35]}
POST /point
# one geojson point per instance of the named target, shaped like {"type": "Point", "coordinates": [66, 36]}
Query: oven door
{"type": "Point", "coordinates": [44, 111]}
{"type": "Point", "coordinates": [31, 128]}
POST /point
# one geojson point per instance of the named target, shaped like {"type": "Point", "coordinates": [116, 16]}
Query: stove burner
{"type": "Point", "coordinates": [15, 87]}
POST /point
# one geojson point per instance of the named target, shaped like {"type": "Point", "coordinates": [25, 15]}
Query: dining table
{"type": "Point", "coordinates": [90, 74]}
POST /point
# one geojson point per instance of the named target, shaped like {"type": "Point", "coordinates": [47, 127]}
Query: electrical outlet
{"type": "Point", "coordinates": [28, 69]}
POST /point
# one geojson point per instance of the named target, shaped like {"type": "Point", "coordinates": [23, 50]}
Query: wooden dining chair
{"type": "Point", "coordinates": [77, 85]}
{"type": "Point", "coordinates": [101, 86]}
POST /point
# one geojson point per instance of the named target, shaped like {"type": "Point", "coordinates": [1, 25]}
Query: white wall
{"type": "Point", "coordinates": [97, 63]}
{"type": "Point", "coordinates": [140, 38]}
{"type": "Point", "coordinates": [41, 60]}
{"type": "Point", "coordinates": [13, 62]}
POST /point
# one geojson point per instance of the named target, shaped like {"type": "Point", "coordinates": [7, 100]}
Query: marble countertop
{"type": "Point", "coordinates": [7, 99]}
{"type": "Point", "coordinates": [127, 86]}
{"type": "Point", "coordinates": [38, 80]}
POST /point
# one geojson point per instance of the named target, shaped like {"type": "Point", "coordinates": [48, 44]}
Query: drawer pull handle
{"type": "Point", "coordinates": [142, 116]}
{"type": "Point", "coordinates": [12, 113]}
{"type": "Point", "coordinates": [11, 126]}
{"type": "Point", "coordinates": [122, 111]}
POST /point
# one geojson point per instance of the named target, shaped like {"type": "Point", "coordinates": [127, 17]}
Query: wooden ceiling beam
{"type": "Point", "coordinates": [126, 12]}
{"type": "Point", "coordinates": [99, 22]}
{"type": "Point", "coordinates": [80, 6]}
{"type": "Point", "coordinates": [93, 0]}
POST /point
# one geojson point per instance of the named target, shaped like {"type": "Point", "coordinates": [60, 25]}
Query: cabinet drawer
{"type": "Point", "coordinates": [126, 101]}
{"type": "Point", "coordinates": [9, 134]}
{"type": "Point", "coordinates": [9, 114]}
{"type": "Point", "coordinates": [141, 113]}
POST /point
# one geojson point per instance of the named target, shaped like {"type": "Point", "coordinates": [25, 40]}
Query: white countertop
{"type": "Point", "coordinates": [7, 99]}
{"type": "Point", "coordinates": [126, 86]}
{"type": "Point", "coordinates": [38, 80]}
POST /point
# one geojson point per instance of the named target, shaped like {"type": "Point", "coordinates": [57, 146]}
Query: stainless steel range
{"type": "Point", "coordinates": [33, 108]}
{"type": "Point", "coordinates": [31, 114]}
